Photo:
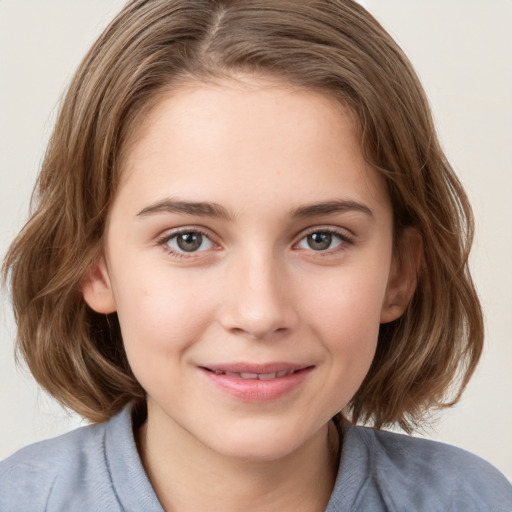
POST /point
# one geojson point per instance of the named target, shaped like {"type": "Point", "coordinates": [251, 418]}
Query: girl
{"type": "Point", "coordinates": [247, 241]}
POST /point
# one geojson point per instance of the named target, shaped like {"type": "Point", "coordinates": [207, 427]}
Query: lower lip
{"type": "Point", "coordinates": [256, 390]}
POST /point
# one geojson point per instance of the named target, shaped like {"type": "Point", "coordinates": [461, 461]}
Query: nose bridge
{"type": "Point", "coordinates": [258, 295]}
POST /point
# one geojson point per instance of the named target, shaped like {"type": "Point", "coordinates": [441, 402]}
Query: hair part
{"type": "Point", "coordinates": [424, 360]}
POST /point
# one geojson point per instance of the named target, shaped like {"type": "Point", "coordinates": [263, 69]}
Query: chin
{"type": "Point", "coordinates": [259, 444]}
{"type": "Point", "coordinates": [254, 451]}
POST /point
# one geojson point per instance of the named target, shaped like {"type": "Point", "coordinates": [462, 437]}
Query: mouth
{"type": "Point", "coordinates": [253, 375]}
{"type": "Point", "coordinates": [257, 383]}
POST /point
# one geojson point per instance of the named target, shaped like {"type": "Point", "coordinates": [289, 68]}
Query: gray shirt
{"type": "Point", "coordinates": [97, 469]}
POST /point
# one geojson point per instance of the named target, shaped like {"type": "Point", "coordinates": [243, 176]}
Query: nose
{"type": "Point", "coordinates": [258, 299]}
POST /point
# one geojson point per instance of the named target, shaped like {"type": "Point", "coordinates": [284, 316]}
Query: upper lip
{"type": "Point", "coordinates": [259, 368]}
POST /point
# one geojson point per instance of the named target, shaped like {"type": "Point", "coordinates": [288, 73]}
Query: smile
{"type": "Point", "coordinates": [257, 383]}
{"type": "Point", "coordinates": [260, 376]}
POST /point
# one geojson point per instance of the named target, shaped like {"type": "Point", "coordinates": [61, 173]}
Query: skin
{"type": "Point", "coordinates": [257, 290]}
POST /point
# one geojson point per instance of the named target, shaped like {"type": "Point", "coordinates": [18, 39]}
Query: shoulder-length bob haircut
{"type": "Point", "coordinates": [423, 360]}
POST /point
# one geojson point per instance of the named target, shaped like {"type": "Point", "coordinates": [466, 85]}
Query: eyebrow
{"type": "Point", "coordinates": [203, 209]}
{"type": "Point", "coordinates": [207, 209]}
{"type": "Point", "coordinates": [328, 207]}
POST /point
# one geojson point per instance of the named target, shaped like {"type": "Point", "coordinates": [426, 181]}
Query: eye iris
{"type": "Point", "coordinates": [319, 241]}
{"type": "Point", "coordinates": [189, 242]}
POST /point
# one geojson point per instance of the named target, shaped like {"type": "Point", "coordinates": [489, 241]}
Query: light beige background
{"type": "Point", "coordinates": [462, 50]}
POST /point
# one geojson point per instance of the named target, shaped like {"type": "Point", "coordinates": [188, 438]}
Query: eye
{"type": "Point", "coordinates": [322, 241]}
{"type": "Point", "coordinates": [188, 242]}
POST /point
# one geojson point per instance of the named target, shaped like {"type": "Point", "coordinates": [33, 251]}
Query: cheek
{"type": "Point", "coordinates": [347, 302]}
{"type": "Point", "coordinates": [345, 314]}
{"type": "Point", "coordinates": [160, 319]}
{"type": "Point", "coordinates": [159, 325]}
{"type": "Point", "coordinates": [349, 331]}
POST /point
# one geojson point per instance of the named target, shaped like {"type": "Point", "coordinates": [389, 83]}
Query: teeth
{"type": "Point", "coordinates": [267, 376]}
{"type": "Point", "coordinates": [253, 376]}
{"type": "Point", "coordinates": [245, 375]}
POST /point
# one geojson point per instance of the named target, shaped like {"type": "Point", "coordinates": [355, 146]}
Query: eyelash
{"type": "Point", "coordinates": [343, 238]}
{"type": "Point", "coordinates": [165, 239]}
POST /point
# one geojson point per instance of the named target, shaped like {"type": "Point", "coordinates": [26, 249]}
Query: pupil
{"type": "Point", "coordinates": [190, 242]}
{"type": "Point", "coordinates": [319, 241]}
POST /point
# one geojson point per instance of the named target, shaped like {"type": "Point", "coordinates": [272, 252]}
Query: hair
{"type": "Point", "coordinates": [423, 360]}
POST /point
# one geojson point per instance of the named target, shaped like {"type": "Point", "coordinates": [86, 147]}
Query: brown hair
{"type": "Point", "coordinates": [423, 360]}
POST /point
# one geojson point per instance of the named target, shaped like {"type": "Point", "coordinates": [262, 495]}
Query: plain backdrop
{"type": "Point", "coordinates": [462, 50]}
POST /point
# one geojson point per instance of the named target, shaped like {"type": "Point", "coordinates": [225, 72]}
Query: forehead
{"type": "Point", "coordinates": [255, 138]}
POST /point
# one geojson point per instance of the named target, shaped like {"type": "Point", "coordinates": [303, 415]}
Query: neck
{"type": "Point", "coordinates": [187, 476]}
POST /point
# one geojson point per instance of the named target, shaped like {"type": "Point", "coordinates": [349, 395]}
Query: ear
{"type": "Point", "coordinates": [97, 290]}
{"type": "Point", "coordinates": [403, 277]}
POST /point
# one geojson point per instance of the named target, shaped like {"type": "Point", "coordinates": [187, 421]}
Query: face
{"type": "Point", "coordinates": [249, 258]}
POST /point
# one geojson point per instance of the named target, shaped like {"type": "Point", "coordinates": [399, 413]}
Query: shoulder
{"type": "Point", "coordinates": [54, 474]}
{"type": "Point", "coordinates": [419, 474]}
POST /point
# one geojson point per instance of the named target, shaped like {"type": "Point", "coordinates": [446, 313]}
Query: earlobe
{"type": "Point", "coordinates": [404, 274]}
{"type": "Point", "coordinates": [97, 290]}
